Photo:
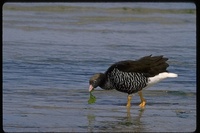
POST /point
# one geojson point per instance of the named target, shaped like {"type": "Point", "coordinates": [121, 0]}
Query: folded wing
{"type": "Point", "coordinates": [148, 65]}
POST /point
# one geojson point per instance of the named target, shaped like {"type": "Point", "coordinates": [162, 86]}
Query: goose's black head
{"type": "Point", "coordinates": [96, 80]}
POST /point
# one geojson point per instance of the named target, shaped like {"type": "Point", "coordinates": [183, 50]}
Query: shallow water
{"type": "Point", "coordinates": [51, 50]}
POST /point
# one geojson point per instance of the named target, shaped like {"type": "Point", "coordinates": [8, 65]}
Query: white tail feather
{"type": "Point", "coordinates": [159, 77]}
{"type": "Point", "coordinates": [172, 75]}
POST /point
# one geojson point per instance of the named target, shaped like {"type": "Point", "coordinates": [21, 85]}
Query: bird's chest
{"type": "Point", "coordinates": [128, 82]}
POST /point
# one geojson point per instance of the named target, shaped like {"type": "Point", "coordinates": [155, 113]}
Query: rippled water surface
{"type": "Point", "coordinates": [51, 50]}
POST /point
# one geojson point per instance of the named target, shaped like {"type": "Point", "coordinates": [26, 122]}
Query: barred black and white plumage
{"type": "Point", "coordinates": [129, 82]}
{"type": "Point", "coordinates": [132, 76]}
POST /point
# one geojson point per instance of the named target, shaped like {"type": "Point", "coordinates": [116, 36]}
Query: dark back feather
{"type": "Point", "coordinates": [148, 65]}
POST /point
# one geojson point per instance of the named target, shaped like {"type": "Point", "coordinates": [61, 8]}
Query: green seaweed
{"type": "Point", "coordinates": [92, 99]}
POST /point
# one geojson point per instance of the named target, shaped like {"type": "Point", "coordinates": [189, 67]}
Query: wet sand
{"type": "Point", "coordinates": [70, 112]}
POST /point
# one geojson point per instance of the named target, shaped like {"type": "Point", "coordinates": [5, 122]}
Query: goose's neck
{"type": "Point", "coordinates": [105, 83]}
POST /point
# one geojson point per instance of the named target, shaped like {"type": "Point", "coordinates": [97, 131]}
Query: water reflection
{"type": "Point", "coordinates": [91, 121]}
{"type": "Point", "coordinates": [116, 122]}
{"type": "Point", "coordinates": [135, 121]}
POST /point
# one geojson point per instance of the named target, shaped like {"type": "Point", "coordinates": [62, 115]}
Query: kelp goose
{"type": "Point", "coordinates": [132, 76]}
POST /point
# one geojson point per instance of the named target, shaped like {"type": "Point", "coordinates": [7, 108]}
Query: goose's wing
{"type": "Point", "coordinates": [148, 65]}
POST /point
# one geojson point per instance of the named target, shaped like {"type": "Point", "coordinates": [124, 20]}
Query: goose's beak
{"type": "Point", "coordinates": [91, 88]}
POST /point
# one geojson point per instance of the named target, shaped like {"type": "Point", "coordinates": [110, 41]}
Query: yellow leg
{"type": "Point", "coordinates": [143, 101]}
{"type": "Point", "coordinates": [129, 101]}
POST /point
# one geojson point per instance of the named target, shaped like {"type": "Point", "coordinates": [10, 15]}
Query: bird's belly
{"type": "Point", "coordinates": [129, 87]}
{"type": "Point", "coordinates": [127, 82]}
